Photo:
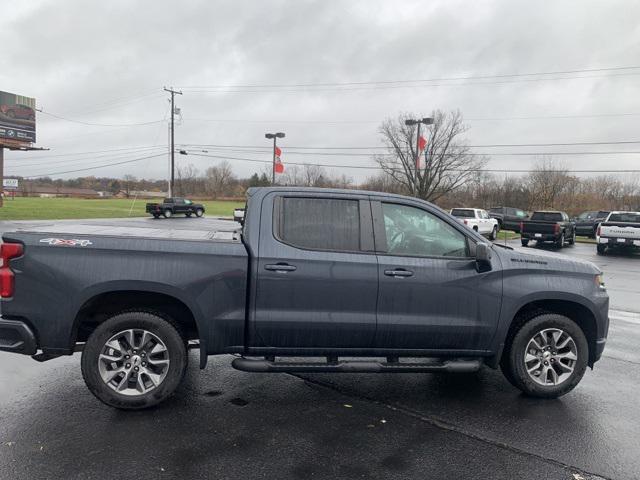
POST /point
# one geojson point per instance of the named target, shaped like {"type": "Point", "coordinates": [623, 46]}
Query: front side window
{"type": "Point", "coordinates": [320, 223]}
{"type": "Point", "coordinates": [187, 202]}
{"type": "Point", "coordinates": [414, 232]}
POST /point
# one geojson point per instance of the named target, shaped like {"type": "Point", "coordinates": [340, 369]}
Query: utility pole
{"type": "Point", "coordinates": [173, 94]}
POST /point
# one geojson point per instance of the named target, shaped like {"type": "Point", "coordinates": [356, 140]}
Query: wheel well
{"type": "Point", "coordinates": [575, 311]}
{"type": "Point", "coordinates": [101, 307]}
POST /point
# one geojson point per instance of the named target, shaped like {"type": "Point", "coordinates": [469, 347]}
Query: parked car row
{"type": "Point", "coordinates": [612, 230]}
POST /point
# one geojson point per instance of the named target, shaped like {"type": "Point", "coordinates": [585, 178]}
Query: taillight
{"type": "Point", "coordinates": [465, 222]}
{"type": "Point", "coordinates": [7, 252]}
{"type": "Point", "coordinates": [598, 232]}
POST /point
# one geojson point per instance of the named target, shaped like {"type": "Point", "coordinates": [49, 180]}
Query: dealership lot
{"type": "Point", "coordinates": [228, 424]}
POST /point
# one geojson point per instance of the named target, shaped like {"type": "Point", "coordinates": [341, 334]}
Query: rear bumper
{"type": "Point", "coordinates": [17, 337]}
{"type": "Point", "coordinates": [622, 242]}
{"type": "Point", "coordinates": [541, 237]}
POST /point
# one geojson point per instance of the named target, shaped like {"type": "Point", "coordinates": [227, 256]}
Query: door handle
{"type": "Point", "coordinates": [400, 272]}
{"type": "Point", "coordinates": [280, 267]}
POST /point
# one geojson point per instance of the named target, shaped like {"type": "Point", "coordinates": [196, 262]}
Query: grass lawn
{"type": "Point", "coordinates": [63, 208]}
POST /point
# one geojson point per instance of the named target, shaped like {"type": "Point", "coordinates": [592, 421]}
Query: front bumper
{"type": "Point", "coordinates": [17, 337]}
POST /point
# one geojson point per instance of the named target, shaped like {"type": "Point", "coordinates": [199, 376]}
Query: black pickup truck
{"type": "Point", "coordinates": [333, 274]}
{"type": "Point", "coordinates": [175, 205]}
{"type": "Point", "coordinates": [548, 226]}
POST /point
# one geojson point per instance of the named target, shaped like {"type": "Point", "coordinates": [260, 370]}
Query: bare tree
{"type": "Point", "coordinates": [548, 180]}
{"type": "Point", "coordinates": [448, 163]}
{"type": "Point", "coordinates": [187, 178]}
{"type": "Point", "coordinates": [219, 179]}
{"type": "Point", "coordinates": [129, 184]}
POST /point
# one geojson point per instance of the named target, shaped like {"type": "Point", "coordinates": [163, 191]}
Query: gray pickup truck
{"type": "Point", "coordinates": [361, 281]}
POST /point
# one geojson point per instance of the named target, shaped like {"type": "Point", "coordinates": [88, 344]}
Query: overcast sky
{"type": "Point", "coordinates": [106, 63]}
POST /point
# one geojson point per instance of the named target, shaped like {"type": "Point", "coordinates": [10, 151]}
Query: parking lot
{"type": "Point", "coordinates": [223, 423]}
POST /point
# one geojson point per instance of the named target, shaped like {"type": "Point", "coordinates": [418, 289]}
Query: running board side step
{"type": "Point", "coordinates": [431, 365]}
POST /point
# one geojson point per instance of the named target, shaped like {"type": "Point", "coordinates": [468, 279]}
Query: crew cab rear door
{"type": "Point", "coordinates": [431, 295]}
{"type": "Point", "coordinates": [317, 274]}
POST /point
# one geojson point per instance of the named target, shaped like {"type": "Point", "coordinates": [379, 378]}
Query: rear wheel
{"type": "Point", "coordinates": [167, 213]}
{"type": "Point", "coordinates": [547, 356]}
{"type": "Point", "coordinates": [524, 242]}
{"type": "Point", "coordinates": [561, 241]}
{"type": "Point", "coordinates": [601, 249]}
{"type": "Point", "coordinates": [156, 215]}
{"type": "Point", "coordinates": [572, 240]}
{"type": "Point", "coordinates": [188, 214]}
{"type": "Point", "coordinates": [134, 360]}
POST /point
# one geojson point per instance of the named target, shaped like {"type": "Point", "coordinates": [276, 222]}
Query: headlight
{"type": "Point", "coordinates": [600, 281]}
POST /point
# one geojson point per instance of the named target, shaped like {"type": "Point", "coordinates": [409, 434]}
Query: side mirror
{"type": "Point", "coordinates": [483, 257]}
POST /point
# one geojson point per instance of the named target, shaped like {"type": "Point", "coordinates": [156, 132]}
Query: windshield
{"type": "Point", "coordinates": [463, 213]}
{"type": "Point", "coordinates": [626, 217]}
{"type": "Point", "coordinates": [547, 216]}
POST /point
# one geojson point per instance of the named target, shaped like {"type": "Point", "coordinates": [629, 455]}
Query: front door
{"type": "Point", "coordinates": [431, 296]}
{"type": "Point", "coordinates": [317, 273]}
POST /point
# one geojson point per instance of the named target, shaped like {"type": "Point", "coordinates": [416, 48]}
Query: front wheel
{"type": "Point", "coordinates": [494, 233]}
{"type": "Point", "coordinates": [134, 360]}
{"type": "Point", "coordinates": [547, 356]}
{"type": "Point", "coordinates": [199, 212]}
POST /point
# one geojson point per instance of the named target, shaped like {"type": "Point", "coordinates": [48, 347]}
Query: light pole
{"type": "Point", "coordinates": [273, 162]}
{"type": "Point", "coordinates": [421, 121]}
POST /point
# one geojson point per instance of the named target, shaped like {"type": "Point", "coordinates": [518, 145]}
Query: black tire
{"type": "Point", "coordinates": [188, 214]}
{"type": "Point", "coordinates": [601, 249]}
{"type": "Point", "coordinates": [561, 241]}
{"type": "Point", "coordinates": [513, 363]}
{"type": "Point", "coordinates": [167, 213]}
{"type": "Point", "coordinates": [524, 242]}
{"type": "Point", "coordinates": [199, 212]}
{"type": "Point", "coordinates": [156, 325]}
{"type": "Point", "coordinates": [572, 240]}
{"type": "Point", "coordinates": [494, 233]}
{"type": "Point", "coordinates": [156, 215]}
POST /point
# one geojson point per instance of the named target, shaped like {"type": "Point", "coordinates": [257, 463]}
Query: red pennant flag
{"type": "Point", "coordinates": [422, 144]}
{"type": "Point", "coordinates": [279, 167]}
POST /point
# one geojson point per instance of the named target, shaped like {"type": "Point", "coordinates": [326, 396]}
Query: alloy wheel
{"type": "Point", "coordinates": [550, 357]}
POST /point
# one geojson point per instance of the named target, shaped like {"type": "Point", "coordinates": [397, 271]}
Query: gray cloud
{"type": "Point", "coordinates": [107, 62]}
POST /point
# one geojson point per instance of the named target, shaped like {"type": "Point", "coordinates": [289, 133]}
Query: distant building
{"type": "Point", "coordinates": [51, 192]}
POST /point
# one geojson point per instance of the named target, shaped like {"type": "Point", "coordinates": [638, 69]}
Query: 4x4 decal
{"type": "Point", "coordinates": [67, 243]}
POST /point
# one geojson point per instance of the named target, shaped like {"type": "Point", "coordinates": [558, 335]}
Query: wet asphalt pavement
{"type": "Point", "coordinates": [223, 423]}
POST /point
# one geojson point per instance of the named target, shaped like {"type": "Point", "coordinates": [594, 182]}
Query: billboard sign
{"type": "Point", "coordinates": [17, 119]}
{"type": "Point", "coordinates": [10, 183]}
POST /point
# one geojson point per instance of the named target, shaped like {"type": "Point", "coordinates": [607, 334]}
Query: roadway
{"type": "Point", "coordinates": [223, 423]}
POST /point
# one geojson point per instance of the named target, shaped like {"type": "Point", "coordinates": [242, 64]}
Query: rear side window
{"type": "Point", "coordinates": [547, 216]}
{"type": "Point", "coordinates": [320, 223]}
{"type": "Point", "coordinates": [463, 213]}
{"type": "Point", "coordinates": [629, 217]}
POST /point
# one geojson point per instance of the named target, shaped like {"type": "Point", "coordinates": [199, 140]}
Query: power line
{"type": "Point", "coordinates": [141, 147]}
{"type": "Point", "coordinates": [93, 168]}
{"type": "Point", "coordinates": [101, 124]}
{"type": "Point", "coordinates": [436, 79]}
{"type": "Point", "coordinates": [373, 167]}
{"type": "Point", "coordinates": [71, 162]}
